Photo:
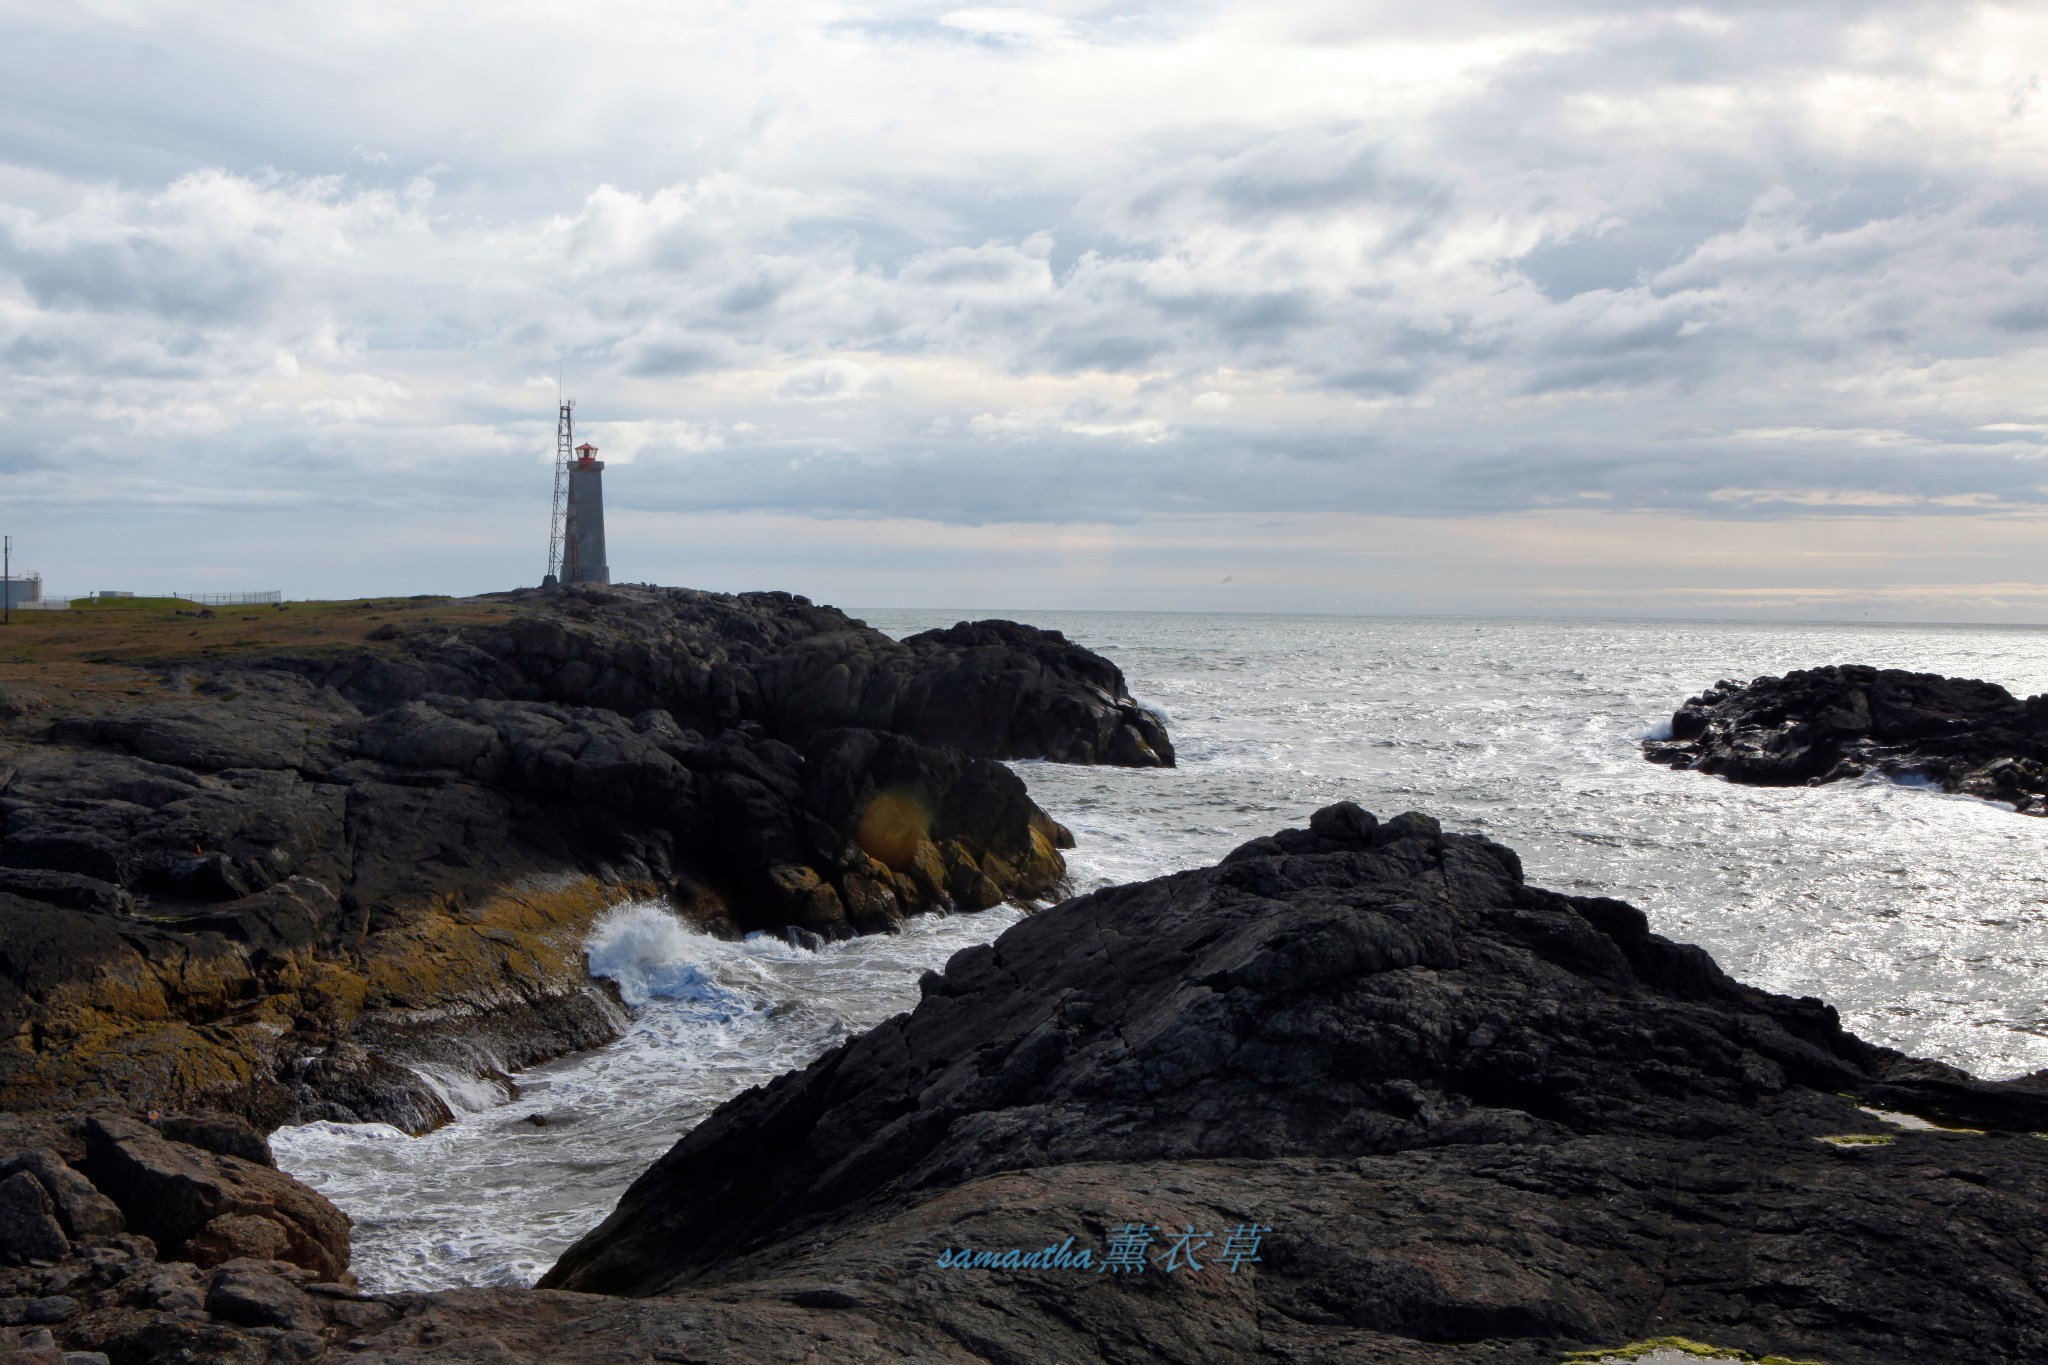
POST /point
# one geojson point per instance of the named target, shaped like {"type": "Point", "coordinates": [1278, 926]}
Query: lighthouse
{"type": "Point", "coordinates": [576, 526]}
{"type": "Point", "coordinates": [583, 526]}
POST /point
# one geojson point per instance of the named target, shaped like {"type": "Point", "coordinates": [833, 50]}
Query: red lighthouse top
{"type": "Point", "coordinates": [587, 451]}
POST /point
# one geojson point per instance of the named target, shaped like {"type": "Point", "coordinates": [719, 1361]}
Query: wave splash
{"type": "Point", "coordinates": [650, 954]}
{"type": "Point", "coordinates": [495, 1196]}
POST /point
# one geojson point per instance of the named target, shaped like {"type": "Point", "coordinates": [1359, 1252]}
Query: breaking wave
{"type": "Point", "coordinates": [495, 1196]}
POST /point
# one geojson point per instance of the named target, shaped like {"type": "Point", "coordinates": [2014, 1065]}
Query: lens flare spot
{"type": "Point", "coordinates": [892, 827]}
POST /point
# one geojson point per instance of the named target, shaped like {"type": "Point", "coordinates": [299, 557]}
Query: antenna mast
{"type": "Point", "coordinates": [565, 438]}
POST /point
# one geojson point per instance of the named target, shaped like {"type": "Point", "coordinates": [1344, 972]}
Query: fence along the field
{"type": "Point", "coordinates": [233, 599]}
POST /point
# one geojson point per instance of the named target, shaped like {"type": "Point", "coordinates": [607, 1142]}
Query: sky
{"type": "Point", "coordinates": [1731, 310]}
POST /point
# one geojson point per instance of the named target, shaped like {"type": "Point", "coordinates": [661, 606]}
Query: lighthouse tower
{"type": "Point", "coordinates": [583, 525]}
{"type": "Point", "coordinates": [576, 523]}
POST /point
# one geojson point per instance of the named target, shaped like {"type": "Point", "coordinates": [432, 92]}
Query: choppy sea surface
{"type": "Point", "coordinates": [1922, 917]}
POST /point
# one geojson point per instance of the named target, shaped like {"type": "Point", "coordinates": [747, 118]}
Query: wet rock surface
{"type": "Point", "coordinates": [1826, 724]}
{"type": "Point", "coordinates": [285, 882]}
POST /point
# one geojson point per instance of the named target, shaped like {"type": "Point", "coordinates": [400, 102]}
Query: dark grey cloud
{"type": "Point", "coordinates": [658, 361]}
{"type": "Point", "coordinates": [2031, 316]}
{"type": "Point", "coordinates": [1375, 382]}
{"type": "Point", "coordinates": [1624, 251]}
{"type": "Point", "coordinates": [138, 275]}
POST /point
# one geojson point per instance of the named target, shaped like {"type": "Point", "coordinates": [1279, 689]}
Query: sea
{"type": "Point", "coordinates": [1922, 917]}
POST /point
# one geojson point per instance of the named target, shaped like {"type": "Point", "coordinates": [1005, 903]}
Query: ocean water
{"type": "Point", "coordinates": [1922, 917]}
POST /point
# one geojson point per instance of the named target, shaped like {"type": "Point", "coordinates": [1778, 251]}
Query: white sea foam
{"type": "Point", "coordinates": [653, 955]}
{"type": "Point", "coordinates": [463, 1092]}
{"type": "Point", "coordinates": [495, 1196]}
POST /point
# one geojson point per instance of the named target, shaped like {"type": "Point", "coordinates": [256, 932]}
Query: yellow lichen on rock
{"type": "Point", "coordinates": [157, 1022]}
{"type": "Point", "coordinates": [1685, 1346]}
{"type": "Point", "coordinates": [519, 944]}
{"type": "Point", "coordinates": [206, 1025]}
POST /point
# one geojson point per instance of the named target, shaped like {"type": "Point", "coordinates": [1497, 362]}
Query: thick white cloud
{"type": "Point", "coordinates": [1077, 263]}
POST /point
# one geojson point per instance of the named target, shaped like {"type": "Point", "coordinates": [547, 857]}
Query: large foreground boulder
{"type": "Point", "coordinates": [1466, 1119]}
{"type": "Point", "coordinates": [1825, 724]}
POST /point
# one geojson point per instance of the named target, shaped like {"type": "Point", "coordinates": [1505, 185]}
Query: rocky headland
{"type": "Point", "coordinates": [1820, 725]}
{"type": "Point", "coordinates": [1437, 1114]}
{"type": "Point", "coordinates": [281, 862]}
{"type": "Point", "coordinates": [1474, 1121]}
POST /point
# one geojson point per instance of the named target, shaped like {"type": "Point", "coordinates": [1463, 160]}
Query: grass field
{"type": "Point", "coordinates": [98, 656]}
{"type": "Point", "coordinates": [132, 604]}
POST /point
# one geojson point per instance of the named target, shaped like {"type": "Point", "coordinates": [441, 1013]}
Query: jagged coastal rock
{"type": "Point", "coordinates": [164, 1245]}
{"type": "Point", "coordinates": [275, 881]}
{"type": "Point", "coordinates": [1824, 724]}
{"type": "Point", "coordinates": [993, 689]}
{"type": "Point", "coordinates": [1483, 1122]}
{"type": "Point", "coordinates": [1475, 1122]}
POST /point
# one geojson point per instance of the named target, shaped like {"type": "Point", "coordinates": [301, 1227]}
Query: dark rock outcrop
{"type": "Point", "coordinates": [262, 1281]}
{"type": "Point", "coordinates": [223, 1134]}
{"type": "Point", "coordinates": [29, 1230]}
{"type": "Point", "coordinates": [286, 883]}
{"type": "Point", "coordinates": [1820, 725]}
{"type": "Point", "coordinates": [1483, 1122]}
{"type": "Point", "coordinates": [993, 689]}
{"type": "Point", "coordinates": [83, 1213]}
{"type": "Point", "coordinates": [1012, 691]}
{"type": "Point", "coordinates": [257, 1298]}
{"type": "Point", "coordinates": [208, 1208]}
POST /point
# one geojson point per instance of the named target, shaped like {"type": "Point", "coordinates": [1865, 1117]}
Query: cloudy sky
{"type": "Point", "coordinates": [1538, 306]}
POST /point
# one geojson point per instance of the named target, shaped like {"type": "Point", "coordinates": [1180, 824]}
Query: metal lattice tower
{"type": "Point", "coordinates": [565, 438]}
